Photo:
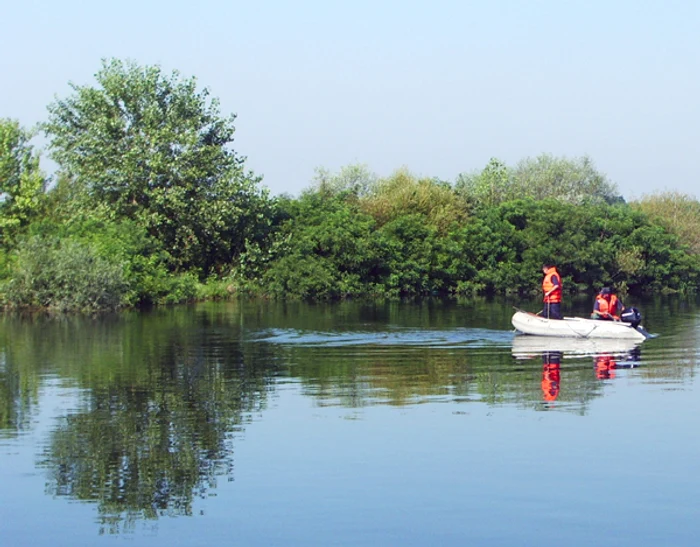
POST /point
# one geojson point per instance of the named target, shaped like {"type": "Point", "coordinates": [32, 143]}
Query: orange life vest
{"type": "Point", "coordinates": [607, 308]}
{"type": "Point", "coordinates": [547, 285]}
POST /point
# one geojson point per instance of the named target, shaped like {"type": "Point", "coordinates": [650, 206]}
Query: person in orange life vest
{"type": "Point", "coordinates": [550, 375]}
{"type": "Point", "coordinates": [607, 305]}
{"type": "Point", "coordinates": [605, 367]}
{"type": "Point", "coordinates": [552, 288]}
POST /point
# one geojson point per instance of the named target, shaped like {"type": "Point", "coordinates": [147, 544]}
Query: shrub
{"type": "Point", "coordinates": [65, 276]}
{"type": "Point", "coordinates": [403, 194]}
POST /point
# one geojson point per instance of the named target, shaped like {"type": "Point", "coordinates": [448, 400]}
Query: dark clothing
{"type": "Point", "coordinates": [552, 310]}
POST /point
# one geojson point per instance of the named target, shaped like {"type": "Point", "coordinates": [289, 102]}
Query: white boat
{"type": "Point", "coordinates": [576, 327]}
{"type": "Point", "coordinates": [526, 346]}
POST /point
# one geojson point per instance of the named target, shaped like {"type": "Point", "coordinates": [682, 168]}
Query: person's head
{"type": "Point", "coordinates": [546, 266]}
{"type": "Point", "coordinates": [606, 292]}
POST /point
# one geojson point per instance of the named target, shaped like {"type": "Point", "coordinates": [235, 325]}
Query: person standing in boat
{"type": "Point", "coordinates": [607, 305]}
{"type": "Point", "coordinates": [552, 289]}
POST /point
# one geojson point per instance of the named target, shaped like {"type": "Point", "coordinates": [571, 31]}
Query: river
{"type": "Point", "coordinates": [398, 423]}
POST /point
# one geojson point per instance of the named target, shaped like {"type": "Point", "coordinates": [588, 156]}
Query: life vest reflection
{"type": "Point", "coordinates": [605, 366]}
{"type": "Point", "coordinates": [551, 375]}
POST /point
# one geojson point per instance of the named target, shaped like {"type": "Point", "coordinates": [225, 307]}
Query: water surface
{"type": "Point", "coordinates": [260, 423]}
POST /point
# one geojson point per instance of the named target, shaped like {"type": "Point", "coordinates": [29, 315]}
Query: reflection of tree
{"type": "Point", "coordinates": [161, 396]}
{"type": "Point", "coordinates": [364, 375]}
{"type": "Point", "coordinates": [16, 400]}
{"type": "Point", "coordinates": [162, 393]}
{"type": "Point", "coordinates": [142, 452]}
{"type": "Point", "coordinates": [19, 380]}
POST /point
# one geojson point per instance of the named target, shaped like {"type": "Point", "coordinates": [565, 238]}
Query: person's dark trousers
{"type": "Point", "coordinates": [552, 311]}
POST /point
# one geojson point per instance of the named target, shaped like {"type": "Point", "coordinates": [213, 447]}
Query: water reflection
{"type": "Point", "coordinates": [529, 345]}
{"type": "Point", "coordinates": [551, 375]}
{"type": "Point", "coordinates": [607, 363]}
{"type": "Point", "coordinates": [161, 399]}
{"type": "Point", "coordinates": [607, 356]}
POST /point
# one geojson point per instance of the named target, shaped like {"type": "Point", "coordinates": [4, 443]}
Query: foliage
{"type": "Point", "coordinates": [355, 179]}
{"type": "Point", "coordinates": [65, 275]}
{"type": "Point", "coordinates": [156, 151]}
{"type": "Point", "coordinates": [404, 194]}
{"type": "Point", "coordinates": [679, 213]}
{"type": "Point", "coordinates": [487, 188]}
{"type": "Point", "coordinates": [324, 249]}
{"type": "Point", "coordinates": [144, 275]}
{"type": "Point", "coordinates": [595, 245]}
{"type": "Point", "coordinates": [22, 183]}
{"type": "Point", "coordinates": [573, 181]}
{"type": "Point", "coordinates": [152, 205]}
{"type": "Point", "coordinates": [120, 241]}
{"type": "Point", "coordinates": [417, 260]}
{"type": "Point", "coordinates": [336, 245]}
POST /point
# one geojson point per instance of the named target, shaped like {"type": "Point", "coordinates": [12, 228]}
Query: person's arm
{"type": "Point", "coordinates": [596, 308]}
{"type": "Point", "coordinates": [555, 282]}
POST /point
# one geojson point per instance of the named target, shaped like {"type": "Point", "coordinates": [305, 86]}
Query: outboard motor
{"type": "Point", "coordinates": [631, 316]}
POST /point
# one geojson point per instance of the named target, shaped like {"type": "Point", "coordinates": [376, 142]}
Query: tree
{"type": "Point", "coordinates": [156, 150]}
{"type": "Point", "coordinates": [576, 181]}
{"type": "Point", "coordinates": [487, 188]}
{"type": "Point", "coordinates": [679, 213]}
{"type": "Point", "coordinates": [356, 179]}
{"type": "Point", "coordinates": [22, 184]}
{"type": "Point", "coordinates": [402, 193]}
{"type": "Point", "coordinates": [573, 181]}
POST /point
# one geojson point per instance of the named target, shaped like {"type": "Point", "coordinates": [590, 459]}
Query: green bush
{"type": "Point", "coordinates": [65, 276]}
{"type": "Point", "coordinates": [146, 275]}
{"type": "Point", "coordinates": [325, 248]}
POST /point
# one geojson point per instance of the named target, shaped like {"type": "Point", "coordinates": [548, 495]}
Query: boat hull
{"type": "Point", "coordinates": [575, 327]}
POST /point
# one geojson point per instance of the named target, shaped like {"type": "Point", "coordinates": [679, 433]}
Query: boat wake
{"type": "Point", "coordinates": [453, 338]}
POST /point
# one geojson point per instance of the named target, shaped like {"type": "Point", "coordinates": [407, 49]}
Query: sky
{"type": "Point", "coordinates": [438, 87]}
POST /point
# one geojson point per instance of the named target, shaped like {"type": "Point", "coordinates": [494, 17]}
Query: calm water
{"type": "Point", "coordinates": [346, 424]}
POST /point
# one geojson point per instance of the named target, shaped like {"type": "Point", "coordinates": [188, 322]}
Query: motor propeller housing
{"type": "Point", "coordinates": [632, 316]}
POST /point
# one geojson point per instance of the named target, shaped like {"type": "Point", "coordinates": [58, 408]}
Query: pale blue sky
{"type": "Point", "coordinates": [436, 86]}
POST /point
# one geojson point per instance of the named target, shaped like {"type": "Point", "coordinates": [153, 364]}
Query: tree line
{"type": "Point", "coordinates": [151, 204]}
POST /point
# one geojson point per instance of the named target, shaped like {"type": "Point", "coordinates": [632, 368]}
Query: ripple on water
{"type": "Point", "coordinates": [459, 337]}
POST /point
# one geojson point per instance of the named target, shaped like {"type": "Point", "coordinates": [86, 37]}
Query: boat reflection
{"type": "Point", "coordinates": [608, 356]}
{"type": "Point", "coordinates": [527, 346]}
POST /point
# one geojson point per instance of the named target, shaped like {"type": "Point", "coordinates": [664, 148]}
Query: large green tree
{"type": "Point", "coordinates": [157, 150]}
